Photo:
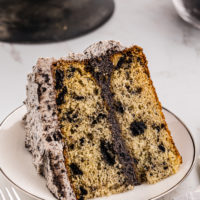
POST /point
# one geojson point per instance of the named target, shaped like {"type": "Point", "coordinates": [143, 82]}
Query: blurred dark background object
{"type": "Point", "coordinates": [41, 21]}
{"type": "Point", "coordinates": [193, 7]}
{"type": "Point", "coordinates": [189, 10]}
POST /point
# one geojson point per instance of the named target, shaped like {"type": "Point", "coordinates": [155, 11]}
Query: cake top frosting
{"type": "Point", "coordinates": [100, 48]}
{"type": "Point", "coordinates": [95, 50]}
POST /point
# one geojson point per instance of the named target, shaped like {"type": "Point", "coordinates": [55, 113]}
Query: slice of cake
{"type": "Point", "coordinates": [94, 124]}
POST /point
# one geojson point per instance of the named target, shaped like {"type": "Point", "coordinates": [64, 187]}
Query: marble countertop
{"type": "Point", "coordinates": [172, 48]}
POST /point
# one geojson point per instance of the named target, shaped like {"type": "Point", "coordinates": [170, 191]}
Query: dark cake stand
{"type": "Point", "coordinates": [41, 21]}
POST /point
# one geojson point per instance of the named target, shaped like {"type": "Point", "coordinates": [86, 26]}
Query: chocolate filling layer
{"type": "Point", "coordinates": [101, 69]}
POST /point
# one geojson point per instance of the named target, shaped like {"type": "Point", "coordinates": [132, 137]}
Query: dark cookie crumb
{"type": "Point", "coordinates": [44, 89]}
{"type": "Point", "coordinates": [129, 60]}
{"type": "Point", "coordinates": [73, 69]}
{"type": "Point", "coordinates": [138, 90]}
{"type": "Point", "coordinates": [118, 107]}
{"type": "Point", "coordinates": [82, 140]}
{"type": "Point", "coordinates": [57, 136]}
{"type": "Point", "coordinates": [135, 161]}
{"type": "Point", "coordinates": [128, 87]}
{"type": "Point", "coordinates": [46, 128]}
{"type": "Point", "coordinates": [89, 68]}
{"type": "Point", "coordinates": [129, 54]}
{"type": "Point", "coordinates": [83, 190]}
{"type": "Point", "coordinates": [96, 91]}
{"type": "Point", "coordinates": [75, 169]}
{"type": "Point", "coordinates": [72, 117]}
{"type": "Point", "coordinates": [54, 113]}
{"type": "Point", "coordinates": [78, 98]}
{"type": "Point", "coordinates": [71, 146]}
{"type": "Point", "coordinates": [90, 136]}
{"type": "Point", "coordinates": [46, 78]}
{"type": "Point", "coordinates": [72, 130]}
{"type": "Point", "coordinates": [94, 122]}
{"type": "Point", "coordinates": [56, 165]}
{"type": "Point", "coordinates": [39, 91]}
{"type": "Point", "coordinates": [162, 126]}
{"type": "Point", "coordinates": [107, 152]}
{"type": "Point", "coordinates": [61, 96]}
{"type": "Point", "coordinates": [99, 118]}
{"type": "Point", "coordinates": [138, 59]}
{"type": "Point", "coordinates": [48, 107]}
{"type": "Point", "coordinates": [118, 173]}
{"type": "Point", "coordinates": [127, 76]}
{"type": "Point", "coordinates": [143, 177]}
{"type": "Point", "coordinates": [137, 128]}
{"type": "Point", "coordinates": [165, 167]}
{"type": "Point", "coordinates": [161, 147]}
{"type": "Point", "coordinates": [70, 71]}
{"type": "Point", "coordinates": [59, 79]}
{"type": "Point", "coordinates": [120, 62]}
{"type": "Point", "coordinates": [59, 110]}
{"type": "Point", "coordinates": [48, 138]}
{"type": "Point", "coordinates": [156, 127]}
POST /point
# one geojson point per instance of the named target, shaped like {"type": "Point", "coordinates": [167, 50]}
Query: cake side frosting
{"type": "Point", "coordinates": [43, 137]}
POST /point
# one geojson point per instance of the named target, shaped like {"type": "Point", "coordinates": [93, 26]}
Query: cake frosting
{"type": "Point", "coordinates": [43, 137]}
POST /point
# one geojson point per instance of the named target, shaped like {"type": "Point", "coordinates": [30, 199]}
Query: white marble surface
{"type": "Point", "coordinates": [172, 48]}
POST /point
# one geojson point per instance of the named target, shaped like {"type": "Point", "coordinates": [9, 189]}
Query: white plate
{"type": "Point", "coordinates": [16, 161]}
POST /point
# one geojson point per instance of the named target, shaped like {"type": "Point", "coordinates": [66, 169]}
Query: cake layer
{"type": "Point", "coordinates": [142, 122]}
{"type": "Point", "coordinates": [91, 154]}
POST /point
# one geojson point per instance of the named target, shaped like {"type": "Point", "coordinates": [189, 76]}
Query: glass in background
{"type": "Point", "coordinates": [189, 10]}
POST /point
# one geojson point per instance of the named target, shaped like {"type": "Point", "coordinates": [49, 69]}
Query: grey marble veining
{"type": "Point", "coordinates": [172, 48]}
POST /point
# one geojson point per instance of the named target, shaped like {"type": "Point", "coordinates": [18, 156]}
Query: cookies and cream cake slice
{"type": "Point", "coordinates": [94, 124]}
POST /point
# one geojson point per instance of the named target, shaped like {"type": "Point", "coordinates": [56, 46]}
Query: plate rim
{"type": "Point", "coordinates": [153, 198]}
